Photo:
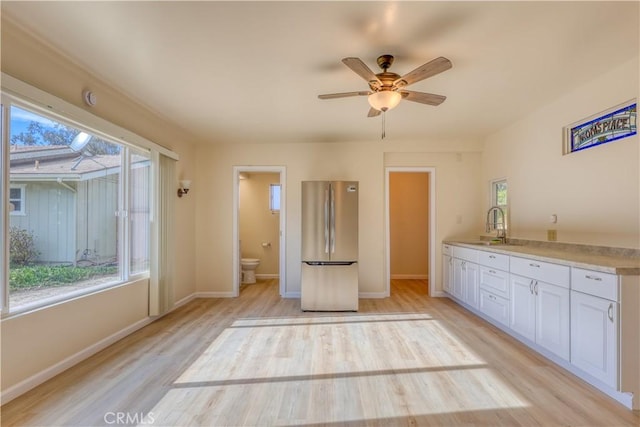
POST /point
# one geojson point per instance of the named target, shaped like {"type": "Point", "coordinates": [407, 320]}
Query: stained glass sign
{"type": "Point", "coordinates": [610, 126]}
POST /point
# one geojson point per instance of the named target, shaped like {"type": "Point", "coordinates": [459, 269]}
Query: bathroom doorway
{"type": "Point", "coordinates": [410, 224]}
{"type": "Point", "coordinates": [258, 226]}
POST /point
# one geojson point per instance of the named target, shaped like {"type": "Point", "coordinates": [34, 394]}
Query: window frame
{"type": "Point", "coordinates": [24, 96]}
{"type": "Point", "coordinates": [494, 200]}
{"type": "Point", "coordinates": [272, 197]}
{"type": "Point", "coordinates": [23, 199]}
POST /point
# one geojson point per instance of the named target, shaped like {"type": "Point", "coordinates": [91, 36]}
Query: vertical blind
{"type": "Point", "coordinates": [161, 298]}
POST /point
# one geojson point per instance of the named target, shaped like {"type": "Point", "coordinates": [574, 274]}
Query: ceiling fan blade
{"type": "Point", "coordinates": [422, 97]}
{"type": "Point", "coordinates": [344, 94]}
{"type": "Point", "coordinates": [429, 69]}
{"type": "Point", "coordinates": [373, 112]}
{"type": "Point", "coordinates": [361, 69]}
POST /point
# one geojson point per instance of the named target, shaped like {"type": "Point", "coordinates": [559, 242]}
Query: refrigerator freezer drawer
{"type": "Point", "coordinates": [329, 287]}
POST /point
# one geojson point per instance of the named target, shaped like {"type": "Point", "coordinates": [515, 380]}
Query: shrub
{"type": "Point", "coordinates": [40, 276]}
{"type": "Point", "coordinates": [22, 247]}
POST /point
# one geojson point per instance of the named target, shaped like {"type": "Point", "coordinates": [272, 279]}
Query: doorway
{"type": "Point", "coordinates": [410, 225]}
{"type": "Point", "coordinates": [259, 200]}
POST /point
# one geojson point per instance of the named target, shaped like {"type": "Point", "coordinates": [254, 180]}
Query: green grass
{"type": "Point", "coordinates": [41, 276]}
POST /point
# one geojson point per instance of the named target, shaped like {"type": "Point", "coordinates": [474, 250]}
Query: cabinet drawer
{"type": "Point", "coordinates": [590, 282]}
{"type": "Point", "coordinates": [447, 250]}
{"type": "Point", "coordinates": [465, 254]}
{"type": "Point", "coordinates": [490, 259]}
{"type": "Point", "coordinates": [496, 281]}
{"type": "Point", "coordinates": [494, 306]}
{"type": "Point", "coordinates": [539, 270]}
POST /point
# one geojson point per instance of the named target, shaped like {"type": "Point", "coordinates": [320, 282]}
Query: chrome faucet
{"type": "Point", "coordinates": [500, 226]}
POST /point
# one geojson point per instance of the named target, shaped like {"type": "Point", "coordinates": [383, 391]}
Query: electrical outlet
{"type": "Point", "coordinates": [552, 235]}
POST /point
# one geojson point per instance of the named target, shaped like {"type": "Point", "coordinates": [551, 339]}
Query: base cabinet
{"type": "Point", "coordinates": [594, 340]}
{"type": "Point", "coordinates": [584, 320]}
{"type": "Point", "coordinates": [540, 313]}
{"type": "Point", "coordinates": [447, 274]}
{"type": "Point", "coordinates": [494, 306]}
{"type": "Point", "coordinates": [465, 281]}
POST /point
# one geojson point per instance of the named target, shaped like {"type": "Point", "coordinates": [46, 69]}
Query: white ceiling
{"type": "Point", "coordinates": [251, 71]}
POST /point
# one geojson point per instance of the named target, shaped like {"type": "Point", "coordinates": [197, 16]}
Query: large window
{"type": "Point", "coordinates": [80, 211]}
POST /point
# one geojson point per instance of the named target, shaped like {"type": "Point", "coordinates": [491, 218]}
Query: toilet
{"type": "Point", "coordinates": [249, 266]}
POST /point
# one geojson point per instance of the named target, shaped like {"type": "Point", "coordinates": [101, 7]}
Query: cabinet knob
{"type": "Point", "coordinates": [588, 276]}
{"type": "Point", "coordinates": [534, 265]}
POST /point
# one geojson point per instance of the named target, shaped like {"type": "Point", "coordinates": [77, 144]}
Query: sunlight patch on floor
{"type": "Point", "coordinates": [319, 369]}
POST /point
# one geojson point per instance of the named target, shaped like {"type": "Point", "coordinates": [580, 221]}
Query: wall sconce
{"type": "Point", "coordinates": [184, 187]}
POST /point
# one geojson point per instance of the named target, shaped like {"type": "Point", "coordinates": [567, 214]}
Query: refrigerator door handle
{"type": "Point", "coordinates": [333, 221]}
{"type": "Point", "coordinates": [326, 221]}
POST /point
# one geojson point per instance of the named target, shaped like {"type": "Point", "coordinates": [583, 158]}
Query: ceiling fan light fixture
{"type": "Point", "coordinates": [384, 100]}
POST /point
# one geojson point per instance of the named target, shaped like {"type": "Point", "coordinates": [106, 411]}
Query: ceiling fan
{"type": "Point", "coordinates": [387, 88]}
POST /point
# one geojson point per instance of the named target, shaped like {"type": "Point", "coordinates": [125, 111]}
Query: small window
{"type": "Point", "coordinates": [274, 198]}
{"type": "Point", "coordinates": [16, 199]}
{"type": "Point", "coordinates": [499, 198]}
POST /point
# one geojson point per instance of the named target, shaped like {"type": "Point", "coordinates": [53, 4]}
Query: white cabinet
{"type": "Point", "coordinates": [553, 318]}
{"type": "Point", "coordinates": [540, 310]}
{"type": "Point", "coordinates": [471, 284]}
{"type": "Point", "coordinates": [447, 273]}
{"type": "Point", "coordinates": [493, 286]}
{"type": "Point", "coordinates": [594, 325]}
{"type": "Point", "coordinates": [523, 307]}
{"type": "Point", "coordinates": [586, 321]}
{"type": "Point", "coordinates": [465, 281]}
{"type": "Point", "coordinates": [464, 275]}
{"type": "Point", "coordinates": [494, 306]}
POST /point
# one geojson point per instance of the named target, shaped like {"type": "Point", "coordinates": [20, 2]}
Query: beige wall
{"type": "Point", "coordinates": [258, 224]}
{"type": "Point", "coordinates": [33, 342]}
{"type": "Point", "coordinates": [456, 172]}
{"type": "Point", "coordinates": [595, 192]}
{"type": "Point", "coordinates": [409, 224]}
{"type": "Point", "coordinates": [458, 200]}
{"type": "Point", "coordinates": [349, 161]}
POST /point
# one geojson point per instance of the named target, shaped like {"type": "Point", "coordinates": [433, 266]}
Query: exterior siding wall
{"type": "Point", "coordinates": [50, 215]}
{"type": "Point", "coordinates": [97, 222]}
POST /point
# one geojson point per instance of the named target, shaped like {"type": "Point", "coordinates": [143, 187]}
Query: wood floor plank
{"type": "Point", "coordinates": [258, 360]}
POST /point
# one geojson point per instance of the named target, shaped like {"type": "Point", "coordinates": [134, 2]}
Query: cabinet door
{"type": "Point", "coordinates": [458, 278]}
{"type": "Point", "coordinates": [471, 284]}
{"type": "Point", "coordinates": [447, 273]}
{"type": "Point", "coordinates": [552, 318]}
{"type": "Point", "coordinates": [594, 339]}
{"type": "Point", "coordinates": [523, 306]}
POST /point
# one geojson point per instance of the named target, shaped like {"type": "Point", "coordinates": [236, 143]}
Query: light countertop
{"type": "Point", "coordinates": [605, 260]}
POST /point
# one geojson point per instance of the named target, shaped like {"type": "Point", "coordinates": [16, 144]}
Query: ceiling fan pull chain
{"type": "Point", "coordinates": [384, 114]}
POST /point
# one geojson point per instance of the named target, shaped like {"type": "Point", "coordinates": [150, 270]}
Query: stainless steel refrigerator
{"type": "Point", "coordinates": [329, 246]}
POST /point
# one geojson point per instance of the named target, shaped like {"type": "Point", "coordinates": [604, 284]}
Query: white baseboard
{"type": "Point", "coordinates": [184, 301]}
{"type": "Point", "coordinates": [372, 295]}
{"type": "Point", "coordinates": [42, 376]}
{"type": "Point", "coordinates": [215, 294]}
{"type": "Point", "coordinates": [295, 294]}
{"type": "Point", "coordinates": [410, 276]}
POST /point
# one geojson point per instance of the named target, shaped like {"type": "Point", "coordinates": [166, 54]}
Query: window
{"type": "Point", "coordinates": [16, 199]}
{"type": "Point", "coordinates": [274, 198]}
{"type": "Point", "coordinates": [88, 223]}
{"type": "Point", "coordinates": [499, 199]}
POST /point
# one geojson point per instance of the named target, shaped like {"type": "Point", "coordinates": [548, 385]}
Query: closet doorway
{"type": "Point", "coordinates": [410, 223]}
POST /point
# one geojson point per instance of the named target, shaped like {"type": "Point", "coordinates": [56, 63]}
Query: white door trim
{"type": "Point", "coordinates": [282, 170]}
{"type": "Point", "coordinates": [432, 224]}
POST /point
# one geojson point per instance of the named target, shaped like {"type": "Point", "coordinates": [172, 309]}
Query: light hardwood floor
{"type": "Point", "coordinates": [259, 361]}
